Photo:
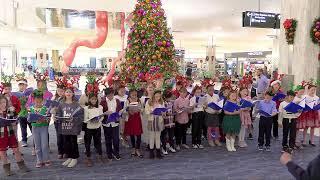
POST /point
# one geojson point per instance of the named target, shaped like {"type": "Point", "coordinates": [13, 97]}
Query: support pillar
{"type": "Point", "coordinates": [211, 53]}
{"type": "Point", "coordinates": [300, 59]}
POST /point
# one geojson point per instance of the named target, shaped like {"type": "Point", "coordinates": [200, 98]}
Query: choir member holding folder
{"type": "Point", "coordinates": [133, 124]}
{"type": "Point", "coordinates": [231, 121]}
{"type": "Point", "coordinates": [267, 109]}
{"type": "Point", "coordinates": [212, 111]}
{"type": "Point", "coordinates": [309, 117]}
{"type": "Point", "coordinates": [155, 108]}
{"type": "Point", "coordinates": [288, 114]}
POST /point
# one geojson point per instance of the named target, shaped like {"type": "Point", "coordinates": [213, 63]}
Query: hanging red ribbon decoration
{"type": "Point", "coordinates": [96, 42]}
{"type": "Point", "coordinates": [123, 31]}
{"type": "Point", "coordinates": [122, 54]}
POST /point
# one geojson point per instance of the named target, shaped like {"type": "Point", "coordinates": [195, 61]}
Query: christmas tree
{"type": "Point", "coordinates": [150, 50]}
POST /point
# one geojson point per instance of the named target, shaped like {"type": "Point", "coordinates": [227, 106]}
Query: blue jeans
{"type": "Point", "coordinates": [40, 136]}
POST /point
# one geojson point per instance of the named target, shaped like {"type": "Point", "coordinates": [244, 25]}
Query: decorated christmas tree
{"type": "Point", "coordinates": [150, 50]}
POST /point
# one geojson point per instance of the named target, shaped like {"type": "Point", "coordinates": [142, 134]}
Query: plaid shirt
{"type": "Point", "coordinates": [11, 129]}
{"type": "Point", "coordinates": [169, 119]}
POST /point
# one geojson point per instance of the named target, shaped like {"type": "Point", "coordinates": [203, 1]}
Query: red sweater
{"type": "Point", "coordinates": [16, 103]}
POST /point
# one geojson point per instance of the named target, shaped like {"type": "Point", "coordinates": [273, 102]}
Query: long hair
{"type": "Point", "coordinates": [151, 103]}
{"type": "Point", "coordinates": [90, 105]}
{"type": "Point", "coordinates": [146, 92]}
{"type": "Point", "coordinates": [73, 96]}
{"type": "Point", "coordinates": [5, 98]}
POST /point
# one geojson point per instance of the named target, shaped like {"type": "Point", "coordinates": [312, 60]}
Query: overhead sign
{"type": "Point", "coordinates": [260, 20]}
{"type": "Point", "coordinates": [255, 54]}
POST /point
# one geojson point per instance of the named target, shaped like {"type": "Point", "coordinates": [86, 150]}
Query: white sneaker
{"type": "Point", "coordinates": [211, 143]}
{"type": "Point", "coordinates": [164, 152]}
{"type": "Point", "coordinates": [185, 146]}
{"type": "Point", "coordinates": [228, 146]}
{"type": "Point", "coordinates": [178, 148]}
{"type": "Point", "coordinates": [67, 162]}
{"type": "Point", "coordinates": [194, 146]}
{"type": "Point", "coordinates": [189, 131]}
{"type": "Point", "coordinates": [73, 163]}
{"type": "Point", "coordinates": [200, 146]}
{"type": "Point", "coordinates": [172, 150]}
{"type": "Point", "coordinates": [232, 144]}
{"type": "Point", "coordinates": [168, 145]}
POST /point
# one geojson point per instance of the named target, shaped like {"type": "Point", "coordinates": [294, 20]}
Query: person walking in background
{"type": "Point", "coordinates": [262, 84]}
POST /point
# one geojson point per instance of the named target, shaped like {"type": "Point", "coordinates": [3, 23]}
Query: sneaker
{"type": "Point", "coordinates": [211, 143]}
{"type": "Point", "coordinates": [164, 151]}
{"type": "Point", "coordinates": [268, 149]}
{"type": "Point", "coordinates": [194, 146]}
{"type": "Point", "coordinates": [189, 131]}
{"type": "Point", "coordinates": [178, 148]}
{"type": "Point", "coordinates": [284, 149]}
{"type": "Point", "coordinates": [67, 162]}
{"type": "Point", "coordinates": [167, 145]}
{"type": "Point", "coordinates": [73, 163]}
{"type": "Point", "coordinates": [311, 144]}
{"type": "Point", "coordinates": [171, 149]}
{"type": "Point", "coordinates": [60, 156]}
{"type": "Point", "coordinates": [200, 146]}
{"type": "Point", "coordinates": [185, 146]}
{"type": "Point", "coordinates": [260, 148]}
{"type": "Point", "coordinates": [48, 163]}
{"type": "Point", "coordinates": [38, 165]}
{"type": "Point", "coordinates": [24, 144]}
{"type": "Point", "coordinates": [117, 157]}
{"type": "Point", "coordinates": [250, 137]}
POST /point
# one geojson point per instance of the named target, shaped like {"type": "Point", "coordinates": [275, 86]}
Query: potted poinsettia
{"type": "Point", "coordinates": [290, 26]}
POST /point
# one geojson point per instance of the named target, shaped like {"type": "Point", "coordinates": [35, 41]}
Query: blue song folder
{"type": "Point", "coordinates": [114, 117]}
{"type": "Point", "coordinates": [316, 107]}
{"type": "Point", "coordinates": [51, 103]}
{"type": "Point", "coordinates": [215, 106]}
{"type": "Point", "coordinates": [293, 108]}
{"type": "Point", "coordinates": [278, 96]}
{"type": "Point", "coordinates": [245, 104]}
{"type": "Point", "coordinates": [231, 107]}
{"type": "Point", "coordinates": [265, 114]}
{"type": "Point", "coordinates": [6, 122]}
{"type": "Point", "coordinates": [159, 111]}
{"type": "Point", "coordinates": [32, 118]}
{"type": "Point", "coordinates": [26, 93]}
{"type": "Point", "coordinates": [122, 104]}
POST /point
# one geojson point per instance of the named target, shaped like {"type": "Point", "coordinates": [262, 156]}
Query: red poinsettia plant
{"type": "Point", "coordinates": [315, 33]}
{"type": "Point", "coordinates": [290, 26]}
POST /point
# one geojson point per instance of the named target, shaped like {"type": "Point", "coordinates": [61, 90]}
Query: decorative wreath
{"type": "Point", "coordinates": [315, 31]}
{"type": "Point", "coordinates": [290, 26]}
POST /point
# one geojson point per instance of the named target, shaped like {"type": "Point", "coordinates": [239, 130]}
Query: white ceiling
{"type": "Point", "coordinates": [199, 20]}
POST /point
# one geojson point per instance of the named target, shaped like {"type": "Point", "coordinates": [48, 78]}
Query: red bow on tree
{"type": "Point", "coordinates": [287, 24]}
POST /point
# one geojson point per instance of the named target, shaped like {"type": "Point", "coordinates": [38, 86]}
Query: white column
{"type": "Point", "coordinates": [300, 59]}
{"type": "Point", "coordinates": [211, 53]}
{"type": "Point", "coordinates": [275, 50]}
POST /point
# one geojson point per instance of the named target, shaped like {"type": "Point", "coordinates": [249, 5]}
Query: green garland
{"type": "Point", "coordinates": [315, 31]}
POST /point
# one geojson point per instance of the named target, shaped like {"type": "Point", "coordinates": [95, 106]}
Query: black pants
{"type": "Point", "coordinates": [197, 125]}
{"type": "Point", "coordinates": [289, 128]}
{"type": "Point", "coordinates": [71, 146]}
{"type": "Point", "coordinates": [94, 134]}
{"type": "Point", "coordinates": [60, 141]}
{"type": "Point", "coordinates": [275, 126]}
{"type": "Point", "coordinates": [135, 142]}
{"type": "Point", "coordinates": [24, 128]}
{"type": "Point", "coordinates": [265, 125]}
{"type": "Point", "coordinates": [181, 133]}
{"type": "Point", "coordinates": [167, 132]}
{"type": "Point", "coordinates": [111, 135]}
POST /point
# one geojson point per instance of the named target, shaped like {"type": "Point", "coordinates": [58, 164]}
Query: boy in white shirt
{"type": "Point", "coordinates": [288, 121]}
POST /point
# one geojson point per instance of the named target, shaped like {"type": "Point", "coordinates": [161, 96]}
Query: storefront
{"type": "Point", "coordinates": [241, 63]}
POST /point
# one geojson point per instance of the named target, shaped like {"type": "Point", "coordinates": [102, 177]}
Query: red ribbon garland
{"type": "Point", "coordinates": [123, 31]}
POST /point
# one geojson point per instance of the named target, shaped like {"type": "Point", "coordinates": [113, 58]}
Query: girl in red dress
{"type": "Point", "coordinates": [8, 139]}
{"type": "Point", "coordinates": [133, 126]}
{"type": "Point", "coordinates": [309, 118]}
